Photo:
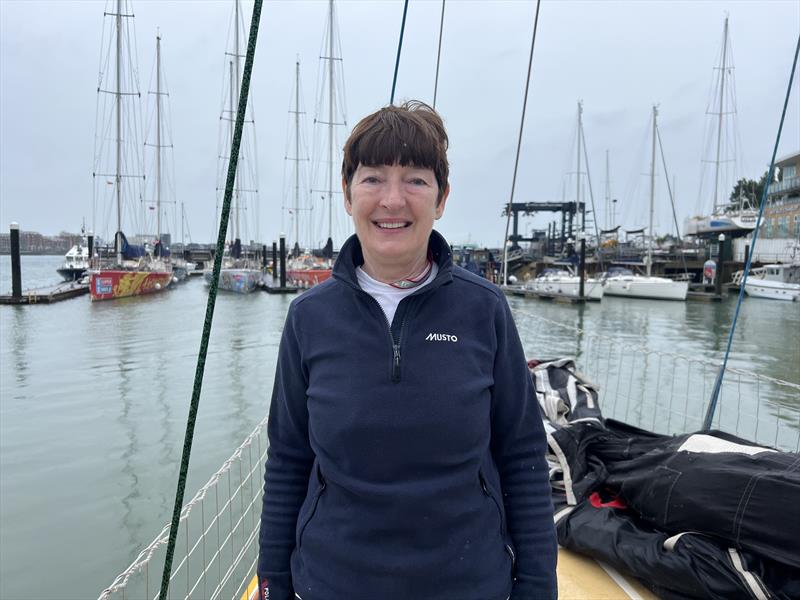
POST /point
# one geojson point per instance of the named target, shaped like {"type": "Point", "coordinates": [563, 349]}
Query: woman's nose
{"type": "Point", "coordinates": [394, 197]}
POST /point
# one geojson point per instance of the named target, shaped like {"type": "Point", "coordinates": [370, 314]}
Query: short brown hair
{"type": "Point", "coordinates": [410, 134]}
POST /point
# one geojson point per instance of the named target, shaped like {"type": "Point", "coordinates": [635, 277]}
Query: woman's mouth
{"type": "Point", "coordinates": [392, 224]}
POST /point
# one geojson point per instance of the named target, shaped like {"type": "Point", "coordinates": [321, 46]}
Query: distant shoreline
{"type": "Point", "coordinates": [22, 253]}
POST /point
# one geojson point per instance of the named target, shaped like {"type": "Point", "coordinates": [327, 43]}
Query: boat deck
{"type": "Point", "coordinates": [579, 578]}
{"type": "Point", "coordinates": [48, 295]}
{"type": "Point", "coordinates": [583, 578]}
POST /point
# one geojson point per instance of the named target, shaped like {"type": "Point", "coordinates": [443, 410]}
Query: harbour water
{"type": "Point", "coordinates": [94, 399]}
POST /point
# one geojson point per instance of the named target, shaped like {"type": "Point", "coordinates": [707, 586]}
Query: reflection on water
{"type": "Point", "coordinates": [94, 399]}
{"type": "Point", "coordinates": [19, 343]}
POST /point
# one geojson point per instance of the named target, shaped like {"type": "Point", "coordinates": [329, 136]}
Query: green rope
{"type": "Point", "coordinates": [399, 50]}
{"type": "Point", "coordinates": [212, 297]}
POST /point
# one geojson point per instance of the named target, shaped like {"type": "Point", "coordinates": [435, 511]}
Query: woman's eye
{"type": "Point", "coordinates": [419, 181]}
{"type": "Point", "coordinates": [370, 179]}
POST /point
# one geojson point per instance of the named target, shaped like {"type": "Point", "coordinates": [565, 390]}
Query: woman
{"type": "Point", "coordinates": [406, 454]}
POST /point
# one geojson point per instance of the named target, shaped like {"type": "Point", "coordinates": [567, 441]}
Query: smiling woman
{"type": "Point", "coordinates": [394, 178]}
{"type": "Point", "coordinates": [406, 458]}
{"type": "Point", "coordinates": [393, 209]}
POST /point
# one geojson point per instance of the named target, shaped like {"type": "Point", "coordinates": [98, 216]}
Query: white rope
{"type": "Point", "coordinates": [146, 555]}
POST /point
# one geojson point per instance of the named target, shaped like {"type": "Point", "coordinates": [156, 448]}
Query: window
{"type": "Point", "coordinates": [783, 227]}
{"type": "Point", "coordinates": [768, 229]}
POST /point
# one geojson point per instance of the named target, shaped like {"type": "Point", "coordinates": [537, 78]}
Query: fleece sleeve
{"type": "Point", "coordinates": [518, 448]}
{"type": "Point", "coordinates": [289, 463]}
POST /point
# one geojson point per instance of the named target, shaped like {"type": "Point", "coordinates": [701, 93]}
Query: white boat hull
{"type": "Point", "coordinates": [240, 281]}
{"type": "Point", "coordinates": [742, 222]}
{"type": "Point", "coordinates": [570, 287]}
{"type": "Point", "coordinates": [774, 290]}
{"type": "Point", "coordinates": [652, 288]}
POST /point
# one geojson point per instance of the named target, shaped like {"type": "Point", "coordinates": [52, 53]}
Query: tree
{"type": "Point", "coordinates": [750, 189]}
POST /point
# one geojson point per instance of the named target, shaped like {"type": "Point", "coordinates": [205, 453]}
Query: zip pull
{"type": "Point", "coordinates": [396, 363]}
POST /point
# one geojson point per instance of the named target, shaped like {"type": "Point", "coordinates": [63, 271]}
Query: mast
{"type": "Point", "coordinates": [158, 138]}
{"type": "Point", "coordinates": [609, 224]}
{"type": "Point", "coordinates": [582, 267]}
{"type": "Point", "coordinates": [330, 124]}
{"type": "Point", "coordinates": [235, 221]}
{"type": "Point", "coordinates": [652, 195]}
{"type": "Point", "coordinates": [578, 170]}
{"type": "Point", "coordinates": [297, 152]}
{"type": "Point", "coordinates": [118, 176]}
{"type": "Point", "coordinates": [719, 116]}
{"type": "Point", "coordinates": [234, 101]}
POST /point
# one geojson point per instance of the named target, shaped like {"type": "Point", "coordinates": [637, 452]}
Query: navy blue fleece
{"type": "Point", "coordinates": [405, 462]}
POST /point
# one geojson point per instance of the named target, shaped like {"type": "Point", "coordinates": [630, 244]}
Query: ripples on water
{"type": "Point", "coordinates": [94, 399]}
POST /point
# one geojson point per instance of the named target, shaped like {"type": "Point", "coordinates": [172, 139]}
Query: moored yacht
{"type": "Point", "coordinates": [737, 216]}
{"type": "Point", "coordinates": [776, 282]}
{"type": "Point", "coordinates": [76, 261]}
{"type": "Point", "coordinates": [624, 282]}
{"type": "Point", "coordinates": [558, 282]}
{"type": "Point", "coordinates": [132, 269]}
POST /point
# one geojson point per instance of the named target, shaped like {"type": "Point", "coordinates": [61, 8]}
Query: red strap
{"type": "Point", "coordinates": [597, 502]}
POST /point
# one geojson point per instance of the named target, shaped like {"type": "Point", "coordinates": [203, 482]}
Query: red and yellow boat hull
{"type": "Point", "coordinates": [117, 283]}
{"type": "Point", "coordinates": [308, 277]}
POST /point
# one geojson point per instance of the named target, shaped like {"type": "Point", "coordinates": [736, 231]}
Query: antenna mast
{"type": "Point", "coordinates": [652, 194]}
{"type": "Point", "coordinates": [719, 121]}
{"type": "Point", "coordinates": [330, 124]}
{"type": "Point", "coordinates": [158, 137]}
{"type": "Point", "coordinates": [118, 176]}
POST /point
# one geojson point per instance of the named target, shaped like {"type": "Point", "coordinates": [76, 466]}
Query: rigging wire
{"type": "Point", "coordinates": [438, 57]}
{"type": "Point", "coordinates": [671, 201]}
{"type": "Point", "coordinates": [718, 383]}
{"type": "Point", "coordinates": [519, 145]}
{"type": "Point", "coordinates": [212, 298]}
{"type": "Point", "coordinates": [591, 196]}
{"type": "Point", "coordinates": [399, 50]}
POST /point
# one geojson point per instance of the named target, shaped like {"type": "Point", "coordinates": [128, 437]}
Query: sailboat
{"type": "Point", "coordinates": [737, 217]}
{"type": "Point", "coordinates": [561, 282]}
{"type": "Point", "coordinates": [240, 272]}
{"type": "Point", "coordinates": [315, 267]}
{"type": "Point", "coordinates": [131, 270]}
{"type": "Point", "coordinates": [623, 282]}
{"type": "Point", "coordinates": [178, 265]}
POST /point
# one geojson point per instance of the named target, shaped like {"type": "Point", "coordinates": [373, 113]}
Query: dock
{"type": "Point", "coordinates": [561, 298]}
{"type": "Point", "coordinates": [706, 292]}
{"type": "Point", "coordinates": [48, 295]}
{"type": "Point", "coordinates": [272, 286]}
{"type": "Point", "coordinates": [519, 290]}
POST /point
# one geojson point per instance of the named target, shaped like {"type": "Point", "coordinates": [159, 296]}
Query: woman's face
{"type": "Point", "coordinates": [393, 209]}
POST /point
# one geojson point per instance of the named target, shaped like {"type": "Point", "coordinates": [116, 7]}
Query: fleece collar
{"type": "Point", "coordinates": [351, 257]}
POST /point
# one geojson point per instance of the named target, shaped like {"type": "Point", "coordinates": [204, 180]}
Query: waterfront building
{"type": "Point", "coordinates": [779, 235]}
{"type": "Point", "coordinates": [33, 242]}
{"type": "Point", "coordinates": [782, 213]}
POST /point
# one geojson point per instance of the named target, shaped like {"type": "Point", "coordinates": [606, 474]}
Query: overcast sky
{"type": "Point", "coordinates": [619, 58]}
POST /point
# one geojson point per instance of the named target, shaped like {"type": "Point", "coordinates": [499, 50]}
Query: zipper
{"type": "Point", "coordinates": [513, 556]}
{"type": "Point", "coordinates": [322, 485]}
{"type": "Point", "coordinates": [488, 492]}
{"type": "Point", "coordinates": [396, 363]}
{"type": "Point", "coordinates": [394, 341]}
{"type": "Point", "coordinates": [402, 309]}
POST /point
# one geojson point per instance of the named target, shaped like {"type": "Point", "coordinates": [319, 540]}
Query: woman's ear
{"type": "Point", "coordinates": [441, 202]}
{"type": "Point", "coordinates": [346, 195]}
